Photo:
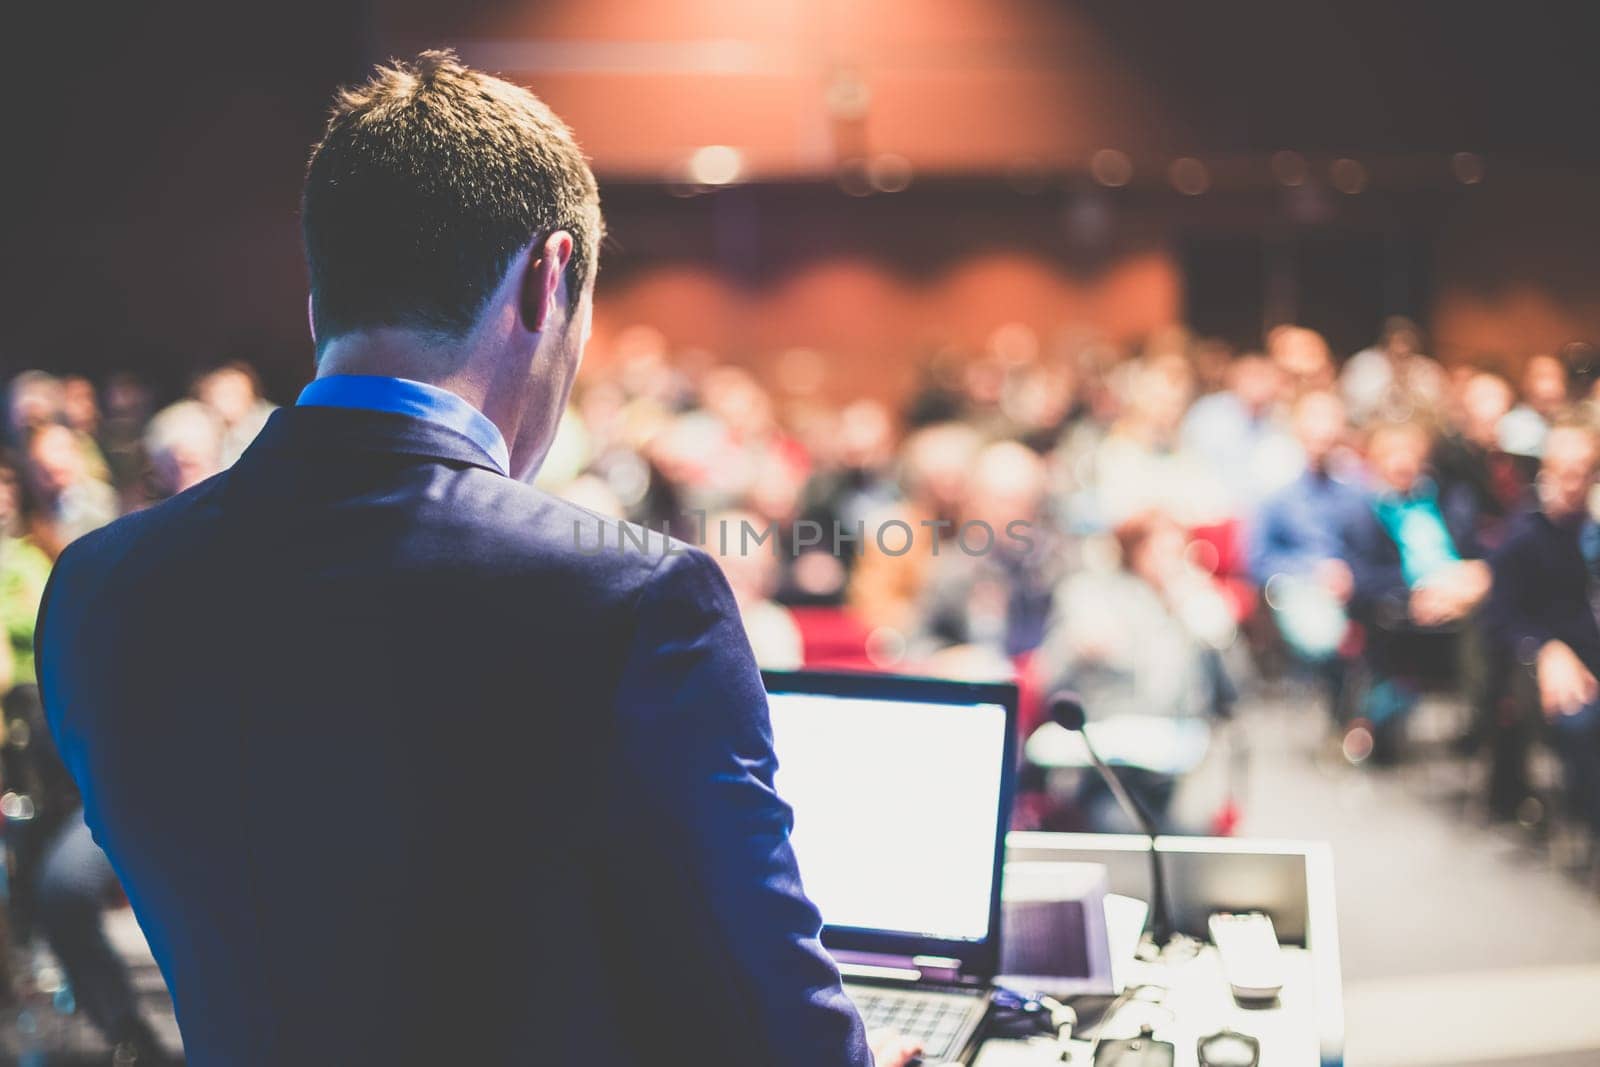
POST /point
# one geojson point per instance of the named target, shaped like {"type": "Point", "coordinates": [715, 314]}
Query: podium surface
{"type": "Point", "coordinates": [1290, 881]}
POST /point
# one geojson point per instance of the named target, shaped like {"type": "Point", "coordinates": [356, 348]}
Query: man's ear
{"type": "Point", "coordinates": [541, 282]}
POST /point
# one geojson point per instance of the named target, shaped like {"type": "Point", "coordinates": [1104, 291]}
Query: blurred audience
{"type": "Point", "coordinates": [1138, 640]}
{"type": "Point", "coordinates": [1057, 509]}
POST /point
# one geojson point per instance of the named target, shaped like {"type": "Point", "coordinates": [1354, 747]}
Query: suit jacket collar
{"type": "Point", "coordinates": [402, 396]}
{"type": "Point", "coordinates": [325, 429]}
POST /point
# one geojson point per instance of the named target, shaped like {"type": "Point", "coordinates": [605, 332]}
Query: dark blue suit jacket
{"type": "Point", "coordinates": [1542, 584]}
{"type": "Point", "coordinates": [395, 772]}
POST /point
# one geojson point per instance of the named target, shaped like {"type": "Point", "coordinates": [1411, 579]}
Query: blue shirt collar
{"type": "Point", "coordinates": [402, 396]}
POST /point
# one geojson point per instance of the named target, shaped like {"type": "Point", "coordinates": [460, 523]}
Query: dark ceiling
{"type": "Point", "coordinates": [154, 150]}
{"type": "Point", "coordinates": [1518, 80]}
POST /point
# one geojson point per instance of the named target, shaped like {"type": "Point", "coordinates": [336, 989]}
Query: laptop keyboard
{"type": "Point", "coordinates": [936, 1021]}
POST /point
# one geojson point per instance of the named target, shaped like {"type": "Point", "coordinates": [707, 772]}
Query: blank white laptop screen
{"type": "Point", "coordinates": [896, 808]}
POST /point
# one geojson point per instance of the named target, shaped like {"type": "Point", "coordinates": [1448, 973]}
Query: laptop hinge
{"type": "Point", "coordinates": [883, 966]}
{"type": "Point", "coordinates": [938, 968]}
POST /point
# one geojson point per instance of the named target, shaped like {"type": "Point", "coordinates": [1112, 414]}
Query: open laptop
{"type": "Point", "coordinates": [901, 789]}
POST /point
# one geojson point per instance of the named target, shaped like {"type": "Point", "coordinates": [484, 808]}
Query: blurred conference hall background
{"type": "Point", "coordinates": [1222, 302]}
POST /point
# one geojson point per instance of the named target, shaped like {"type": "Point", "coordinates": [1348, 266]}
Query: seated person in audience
{"type": "Point", "coordinates": [1471, 457]}
{"type": "Point", "coordinates": [1295, 544]}
{"type": "Point", "coordinates": [72, 501]}
{"type": "Point", "coordinates": [1303, 358]}
{"type": "Point", "coordinates": [34, 399]}
{"type": "Point", "coordinates": [184, 443]}
{"type": "Point", "coordinates": [885, 588]}
{"type": "Point", "coordinates": [1240, 433]}
{"type": "Point", "coordinates": [1546, 391]}
{"type": "Point", "coordinates": [746, 444]}
{"type": "Point", "coordinates": [1393, 378]}
{"type": "Point", "coordinates": [1142, 464]}
{"type": "Point", "coordinates": [1417, 580]}
{"type": "Point", "coordinates": [127, 411]}
{"type": "Point", "coordinates": [1041, 400]}
{"type": "Point", "coordinates": [80, 409]}
{"type": "Point", "coordinates": [993, 585]}
{"type": "Point", "coordinates": [857, 479]}
{"type": "Point", "coordinates": [1141, 639]}
{"type": "Point", "coordinates": [811, 561]}
{"type": "Point", "coordinates": [233, 393]}
{"type": "Point", "coordinates": [1541, 612]}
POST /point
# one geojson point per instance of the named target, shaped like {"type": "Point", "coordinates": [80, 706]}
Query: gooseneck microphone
{"type": "Point", "coordinates": [1066, 710]}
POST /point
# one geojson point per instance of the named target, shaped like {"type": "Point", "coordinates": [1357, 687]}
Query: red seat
{"type": "Point", "coordinates": [833, 639]}
{"type": "Point", "coordinates": [1219, 549]}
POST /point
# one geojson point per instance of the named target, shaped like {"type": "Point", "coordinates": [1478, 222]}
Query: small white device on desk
{"type": "Point", "coordinates": [1249, 948]}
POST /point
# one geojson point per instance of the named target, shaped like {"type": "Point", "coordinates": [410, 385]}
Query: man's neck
{"type": "Point", "coordinates": [446, 364]}
{"type": "Point", "coordinates": [402, 354]}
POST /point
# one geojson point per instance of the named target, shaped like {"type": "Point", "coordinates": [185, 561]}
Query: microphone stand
{"type": "Point", "coordinates": [1066, 710]}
